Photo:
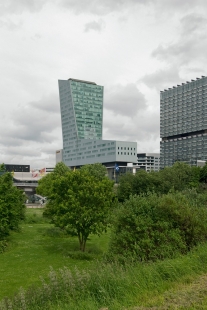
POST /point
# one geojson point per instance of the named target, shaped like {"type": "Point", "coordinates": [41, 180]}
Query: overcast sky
{"type": "Point", "coordinates": [134, 48]}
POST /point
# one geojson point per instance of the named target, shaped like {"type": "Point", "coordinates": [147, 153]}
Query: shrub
{"type": "Point", "coordinates": [149, 227]}
{"type": "Point", "coordinates": [12, 207]}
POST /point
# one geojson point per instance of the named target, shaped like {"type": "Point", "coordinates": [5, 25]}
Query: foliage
{"type": "Point", "coordinates": [149, 227]}
{"type": "Point", "coordinates": [111, 286]}
{"type": "Point", "coordinates": [2, 167]}
{"type": "Point", "coordinates": [12, 206]}
{"type": "Point", "coordinates": [45, 184]}
{"type": "Point", "coordinates": [203, 174]}
{"type": "Point", "coordinates": [37, 246]}
{"type": "Point", "coordinates": [178, 177]}
{"type": "Point", "coordinates": [96, 170]}
{"type": "Point", "coordinates": [80, 203]}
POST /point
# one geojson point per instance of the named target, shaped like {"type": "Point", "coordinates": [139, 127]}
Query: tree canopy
{"type": "Point", "coordinates": [45, 184]}
{"type": "Point", "coordinates": [12, 205]}
{"type": "Point", "coordinates": [97, 170]}
{"type": "Point", "coordinates": [178, 177]}
{"type": "Point", "coordinates": [79, 202]}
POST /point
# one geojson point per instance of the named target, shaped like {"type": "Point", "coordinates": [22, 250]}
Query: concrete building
{"type": "Point", "coordinates": [148, 161]}
{"type": "Point", "coordinates": [81, 104]}
{"type": "Point", "coordinates": [183, 123]}
{"type": "Point", "coordinates": [25, 178]}
{"type": "Point", "coordinates": [59, 156]}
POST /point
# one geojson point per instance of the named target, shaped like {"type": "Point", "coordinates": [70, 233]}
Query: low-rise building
{"type": "Point", "coordinates": [148, 161]}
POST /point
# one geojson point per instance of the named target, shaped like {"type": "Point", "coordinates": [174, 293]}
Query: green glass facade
{"type": "Point", "coordinates": [81, 104]}
{"type": "Point", "coordinates": [88, 109]}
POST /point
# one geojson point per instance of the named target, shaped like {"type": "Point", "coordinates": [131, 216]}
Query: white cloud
{"type": "Point", "coordinates": [134, 48]}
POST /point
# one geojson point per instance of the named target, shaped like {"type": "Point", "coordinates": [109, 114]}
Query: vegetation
{"type": "Point", "coordinates": [39, 245]}
{"type": "Point", "coordinates": [178, 177]}
{"type": "Point", "coordinates": [160, 285]}
{"type": "Point", "coordinates": [80, 204]}
{"type": "Point", "coordinates": [158, 230]}
{"type": "Point", "coordinates": [11, 207]}
{"type": "Point", "coordinates": [149, 227]}
{"type": "Point", "coordinates": [96, 170]}
{"type": "Point", "coordinates": [45, 184]}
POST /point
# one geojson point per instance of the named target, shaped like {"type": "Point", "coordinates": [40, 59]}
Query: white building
{"type": "Point", "coordinates": [148, 161]}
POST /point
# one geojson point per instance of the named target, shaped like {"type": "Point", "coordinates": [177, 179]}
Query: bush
{"type": "Point", "coordinates": [12, 207]}
{"type": "Point", "coordinates": [150, 227]}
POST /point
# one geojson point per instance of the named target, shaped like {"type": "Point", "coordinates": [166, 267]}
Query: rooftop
{"type": "Point", "coordinates": [81, 81]}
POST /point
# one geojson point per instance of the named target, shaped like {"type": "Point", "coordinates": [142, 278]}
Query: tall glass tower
{"type": "Point", "coordinates": [183, 123]}
{"type": "Point", "coordinates": [81, 104]}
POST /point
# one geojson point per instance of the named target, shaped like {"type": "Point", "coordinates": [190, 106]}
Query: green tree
{"type": "Point", "coordinates": [80, 203]}
{"type": "Point", "coordinates": [125, 186]}
{"type": "Point", "coordinates": [45, 184]}
{"type": "Point", "coordinates": [2, 169]}
{"type": "Point", "coordinates": [179, 177]}
{"type": "Point", "coordinates": [97, 170]}
{"type": "Point", "coordinates": [141, 182]}
{"type": "Point", "coordinates": [12, 205]}
{"type": "Point", "coordinates": [203, 174]}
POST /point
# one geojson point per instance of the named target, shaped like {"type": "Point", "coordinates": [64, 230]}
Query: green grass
{"type": "Point", "coordinates": [33, 250]}
{"type": "Point", "coordinates": [171, 284]}
{"type": "Point", "coordinates": [89, 284]}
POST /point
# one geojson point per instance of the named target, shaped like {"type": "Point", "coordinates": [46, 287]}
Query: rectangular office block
{"type": "Point", "coordinates": [183, 123]}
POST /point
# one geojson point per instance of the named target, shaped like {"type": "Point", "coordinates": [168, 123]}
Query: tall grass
{"type": "Point", "coordinates": [110, 285]}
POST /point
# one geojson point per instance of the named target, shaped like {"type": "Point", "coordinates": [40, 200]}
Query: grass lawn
{"type": "Point", "coordinates": [36, 247]}
{"type": "Point", "coordinates": [179, 283]}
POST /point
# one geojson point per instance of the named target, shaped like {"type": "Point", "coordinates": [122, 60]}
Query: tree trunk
{"type": "Point", "coordinates": [82, 241]}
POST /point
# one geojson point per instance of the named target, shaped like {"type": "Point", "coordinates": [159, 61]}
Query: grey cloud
{"type": "Point", "coordinates": [23, 151]}
{"type": "Point", "coordinates": [125, 100]}
{"type": "Point", "coordinates": [192, 23]}
{"type": "Point", "coordinates": [49, 103]}
{"type": "Point", "coordinates": [10, 25]}
{"type": "Point", "coordinates": [100, 7]}
{"type": "Point", "coordinates": [18, 7]}
{"type": "Point", "coordinates": [162, 78]}
{"type": "Point", "coordinates": [95, 25]}
{"type": "Point", "coordinates": [97, 7]}
{"type": "Point", "coordinates": [144, 129]}
{"type": "Point", "coordinates": [178, 5]}
{"type": "Point", "coordinates": [33, 122]}
{"type": "Point", "coordinates": [190, 46]}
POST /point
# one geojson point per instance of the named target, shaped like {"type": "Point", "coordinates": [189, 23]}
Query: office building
{"type": "Point", "coordinates": [148, 161]}
{"type": "Point", "coordinates": [183, 123]}
{"type": "Point", "coordinates": [59, 156]}
{"type": "Point", "coordinates": [17, 168]}
{"type": "Point", "coordinates": [81, 104]}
